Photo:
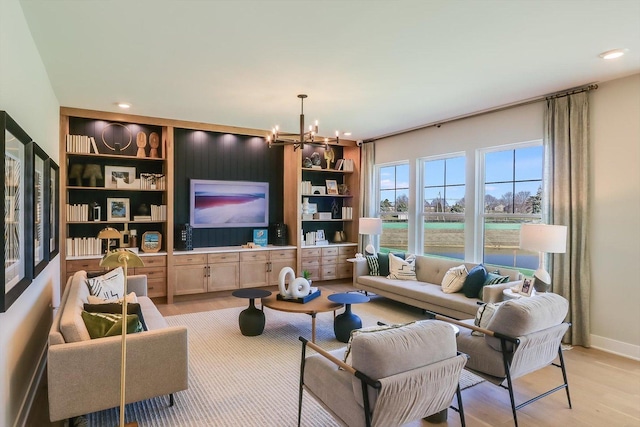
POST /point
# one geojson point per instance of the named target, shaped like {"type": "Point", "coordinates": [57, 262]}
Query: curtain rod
{"type": "Point", "coordinates": [566, 92]}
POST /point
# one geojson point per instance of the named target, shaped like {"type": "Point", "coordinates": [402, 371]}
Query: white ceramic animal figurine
{"type": "Point", "coordinates": [298, 287]}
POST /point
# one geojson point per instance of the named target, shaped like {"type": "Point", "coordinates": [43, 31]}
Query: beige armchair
{"type": "Point", "coordinates": [398, 375]}
{"type": "Point", "coordinates": [523, 336]}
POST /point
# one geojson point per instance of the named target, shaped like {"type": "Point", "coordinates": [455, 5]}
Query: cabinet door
{"type": "Point", "coordinates": [223, 276]}
{"type": "Point", "coordinates": [190, 279]}
{"type": "Point", "coordinates": [253, 274]}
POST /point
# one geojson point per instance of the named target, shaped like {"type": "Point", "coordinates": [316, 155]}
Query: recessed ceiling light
{"type": "Point", "coordinates": [347, 133]}
{"type": "Point", "coordinates": [124, 105]}
{"type": "Point", "coordinates": [613, 54]}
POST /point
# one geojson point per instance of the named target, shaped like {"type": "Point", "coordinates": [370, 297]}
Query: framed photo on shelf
{"type": "Point", "coordinates": [113, 173]}
{"type": "Point", "coordinates": [527, 286]}
{"type": "Point", "coordinates": [151, 241]}
{"type": "Point", "coordinates": [117, 209]}
{"type": "Point", "coordinates": [332, 186]}
{"type": "Point", "coordinates": [320, 235]}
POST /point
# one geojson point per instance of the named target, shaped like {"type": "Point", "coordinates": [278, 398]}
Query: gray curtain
{"type": "Point", "coordinates": [367, 182]}
{"type": "Point", "coordinates": [566, 143]}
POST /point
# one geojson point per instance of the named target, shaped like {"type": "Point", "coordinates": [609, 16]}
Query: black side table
{"type": "Point", "coordinates": [251, 320]}
{"type": "Point", "coordinates": [346, 322]}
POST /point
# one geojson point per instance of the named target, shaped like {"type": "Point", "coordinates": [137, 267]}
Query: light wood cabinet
{"type": "Point", "coordinates": [255, 269]}
{"type": "Point", "coordinates": [279, 259]}
{"type": "Point", "coordinates": [224, 271]}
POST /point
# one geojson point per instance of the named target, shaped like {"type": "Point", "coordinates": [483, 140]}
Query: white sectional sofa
{"type": "Point", "coordinates": [84, 373]}
{"type": "Point", "coordinates": [426, 292]}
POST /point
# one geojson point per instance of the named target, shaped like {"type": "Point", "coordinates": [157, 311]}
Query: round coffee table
{"type": "Point", "coordinates": [346, 322]}
{"type": "Point", "coordinates": [317, 305]}
{"type": "Point", "coordinates": [251, 320]}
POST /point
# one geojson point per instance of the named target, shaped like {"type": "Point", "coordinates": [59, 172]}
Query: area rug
{"type": "Point", "coordinates": [250, 381]}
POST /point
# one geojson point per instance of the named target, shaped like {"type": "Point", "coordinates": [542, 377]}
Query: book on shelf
{"type": "Point", "coordinates": [82, 246]}
{"type": "Point", "coordinates": [77, 212]}
{"type": "Point", "coordinates": [339, 164]}
{"type": "Point", "coordinates": [80, 144]}
{"type": "Point", "coordinates": [347, 212]}
{"type": "Point", "coordinates": [347, 165]}
{"type": "Point", "coordinates": [142, 217]}
{"type": "Point", "coordinates": [158, 212]}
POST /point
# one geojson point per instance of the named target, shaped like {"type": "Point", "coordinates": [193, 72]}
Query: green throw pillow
{"type": "Point", "coordinates": [116, 308]}
{"type": "Point", "coordinates": [492, 279]}
{"type": "Point", "coordinates": [101, 325]}
{"type": "Point", "coordinates": [474, 281]}
{"type": "Point", "coordinates": [383, 261]}
{"type": "Point", "coordinates": [374, 266]}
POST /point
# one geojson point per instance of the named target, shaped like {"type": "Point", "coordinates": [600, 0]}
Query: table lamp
{"type": "Point", "coordinates": [122, 258]}
{"type": "Point", "coordinates": [543, 238]}
{"type": "Point", "coordinates": [370, 227]}
{"type": "Point", "coordinates": [109, 233]}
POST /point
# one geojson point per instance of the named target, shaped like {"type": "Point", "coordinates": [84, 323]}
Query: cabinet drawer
{"type": "Point", "coordinates": [329, 260]}
{"type": "Point", "coordinates": [347, 251]}
{"type": "Point", "coordinates": [224, 257]}
{"type": "Point", "coordinates": [84, 264]}
{"type": "Point", "coordinates": [329, 251]}
{"type": "Point", "coordinates": [190, 259]}
{"type": "Point", "coordinates": [156, 288]}
{"type": "Point", "coordinates": [345, 270]}
{"type": "Point", "coordinates": [283, 254]}
{"type": "Point", "coordinates": [154, 261]}
{"type": "Point", "coordinates": [152, 272]}
{"type": "Point", "coordinates": [253, 256]}
{"type": "Point", "coordinates": [308, 263]}
{"type": "Point", "coordinates": [310, 252]}
{"type": "Point", "coordinates": [315, 273]}
{"type": "Point", "coordinates": [328, 272]}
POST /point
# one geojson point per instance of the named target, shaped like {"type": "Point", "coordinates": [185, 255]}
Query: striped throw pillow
{"type": "Point", "coordinates": [374, 265]}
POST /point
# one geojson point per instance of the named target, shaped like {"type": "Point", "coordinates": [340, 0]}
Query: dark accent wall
{"type": "Point", "coordinates": [223, 156]}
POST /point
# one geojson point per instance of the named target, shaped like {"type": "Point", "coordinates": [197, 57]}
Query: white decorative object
{"type": "Point", "coordinates": [305, 205]}
{"type": "Point", "coordinates": [298, 287]}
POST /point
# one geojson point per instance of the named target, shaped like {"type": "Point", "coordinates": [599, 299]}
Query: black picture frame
{"type": "Point", "coordinates": [37, 158]}
{"type": "Point", "coordinates": [17, 193]}
{"type": "Point", "coordinates": [52, 207]}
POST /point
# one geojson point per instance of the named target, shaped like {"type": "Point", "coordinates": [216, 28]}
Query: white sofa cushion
{"type": "Point", "coordinates": [71, 324]}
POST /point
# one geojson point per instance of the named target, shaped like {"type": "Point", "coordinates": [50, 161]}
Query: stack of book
{"type": "Point", "coordinates": [344, 165]}
{"type": "Point", "coordinates": [81, 144]}
{"type": "Point", "coordinates": [306, 187]}
{"type": "Point", "coordinates": [158, 212]}
{"type": "Point", "coordinates": [81, 246]}
{"type": "Point", "coordinates": [347, 212]}
{"type": "Point", "coordinates": [79, 212]}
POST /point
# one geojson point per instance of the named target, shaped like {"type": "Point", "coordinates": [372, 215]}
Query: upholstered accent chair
{"type": "Point", "coordinates": [523, 336]}
{"type": "Point", "coordinates": [397, 375]}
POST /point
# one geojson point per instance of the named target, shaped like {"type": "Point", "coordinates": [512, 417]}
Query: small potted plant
{"type": "Point", "coordinates": [307, 275]}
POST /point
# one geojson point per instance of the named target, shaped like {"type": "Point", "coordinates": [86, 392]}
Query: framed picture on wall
{"type": "Point", "coordinates": [36, 170]}
{"type": "Point", "coordinates": [17, 249]}
{"type": "Point", "coordinates": [52, 206]}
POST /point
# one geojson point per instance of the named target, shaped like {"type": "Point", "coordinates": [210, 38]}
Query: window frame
{"type": "Point", "coordinates": [410, 193]}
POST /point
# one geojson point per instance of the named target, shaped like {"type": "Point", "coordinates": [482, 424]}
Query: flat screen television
{"type": "Point", "coordinates": [225, 204]}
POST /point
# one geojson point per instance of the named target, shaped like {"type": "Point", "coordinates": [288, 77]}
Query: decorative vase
{"type": "Point", "coordinates": [305, 205]}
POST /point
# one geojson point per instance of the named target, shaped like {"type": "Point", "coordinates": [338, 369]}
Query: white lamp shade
{"type": "Point", "coordinates": [370, 226]}
{"type": "Point", "coordinates": [544, 238]}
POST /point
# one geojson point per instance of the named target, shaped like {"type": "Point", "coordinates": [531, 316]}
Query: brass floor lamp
{"type": "Point", "coordinates": [121, 258]}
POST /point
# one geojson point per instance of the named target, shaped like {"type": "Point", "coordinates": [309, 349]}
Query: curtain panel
{"type": "Point", "coordinates": [566, 143]}
{"type": "Point", "coordinates": [367, 182]}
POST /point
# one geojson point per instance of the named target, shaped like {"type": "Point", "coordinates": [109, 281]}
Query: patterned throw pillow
{"type": "Point", "coordinates": [108, 286]}
{"type": "Point", "coordinates": [492, 279]}
{"type": "Point", "coordinates": [402, 269]}
{"type": "Point", "coordinates": [131, 299]}
{"type": "Point", "coordinates": [383, 260]}
{"type": "Point", "coordinates": [374, 266]}
{"type": "Point", "coordinates": [453, 279]}
{"type": "Point", "coordinates": [101, 325]}
{"type": "Point", "coordinates": [483, 316]}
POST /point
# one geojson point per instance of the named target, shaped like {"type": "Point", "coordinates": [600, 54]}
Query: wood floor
{"type": "Point", "coordinates": [605, 389]}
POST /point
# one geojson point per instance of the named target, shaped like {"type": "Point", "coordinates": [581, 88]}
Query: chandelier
{"type": "Point", "coordinates": [304, 137]}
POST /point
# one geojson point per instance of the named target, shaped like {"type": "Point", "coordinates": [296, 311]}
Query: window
{"type": "Point", "coordinates": [444, 206]}
{"type": "Point", "coordinates": [393, 187]}
{"type": "Point", "coordinates": [512, 196]}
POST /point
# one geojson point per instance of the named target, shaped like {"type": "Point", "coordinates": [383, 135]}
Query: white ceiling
{"type": "Point", "coordinates": [369, 67]}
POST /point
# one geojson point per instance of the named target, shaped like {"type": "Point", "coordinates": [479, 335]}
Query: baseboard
{"type": "Point", "coordinates": [25, 409]}
{"type": "Point", "coordinates": [616, 347]}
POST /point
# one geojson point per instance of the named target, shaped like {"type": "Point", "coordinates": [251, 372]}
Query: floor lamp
{"type": "Point", "coordinates": [370, 227]}
{"type": "Point", "coordinates": [121, 258]}
{"type": "Point", "coordinates": [543, 238]}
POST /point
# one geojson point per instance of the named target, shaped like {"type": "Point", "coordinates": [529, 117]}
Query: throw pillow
{"type": "Point", "coordinates": [374, 266]}
{"type": "Point", "coordinates": [347, 353]}
{"type": "Point", "coordinates": [402, 269]}
{"type": "Point", "coordinates": [131, 299]}
{"type": "Point", "coordinates": [108, 286]}
{"type": "Point", "coordinates": [492, 279]}
{"type": "Point", "coordinates": [483, 316]}
{"type": "Point", "coordinates": [100, 325]}
{"type": "Point", "coordinates": [383, 261]}
{"type": "Point", "coordinates": [474, 281]}
{"type": "Point", "coordinates": [116, 308]}
{"type": "Point", "coordinates": [453, 279]}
